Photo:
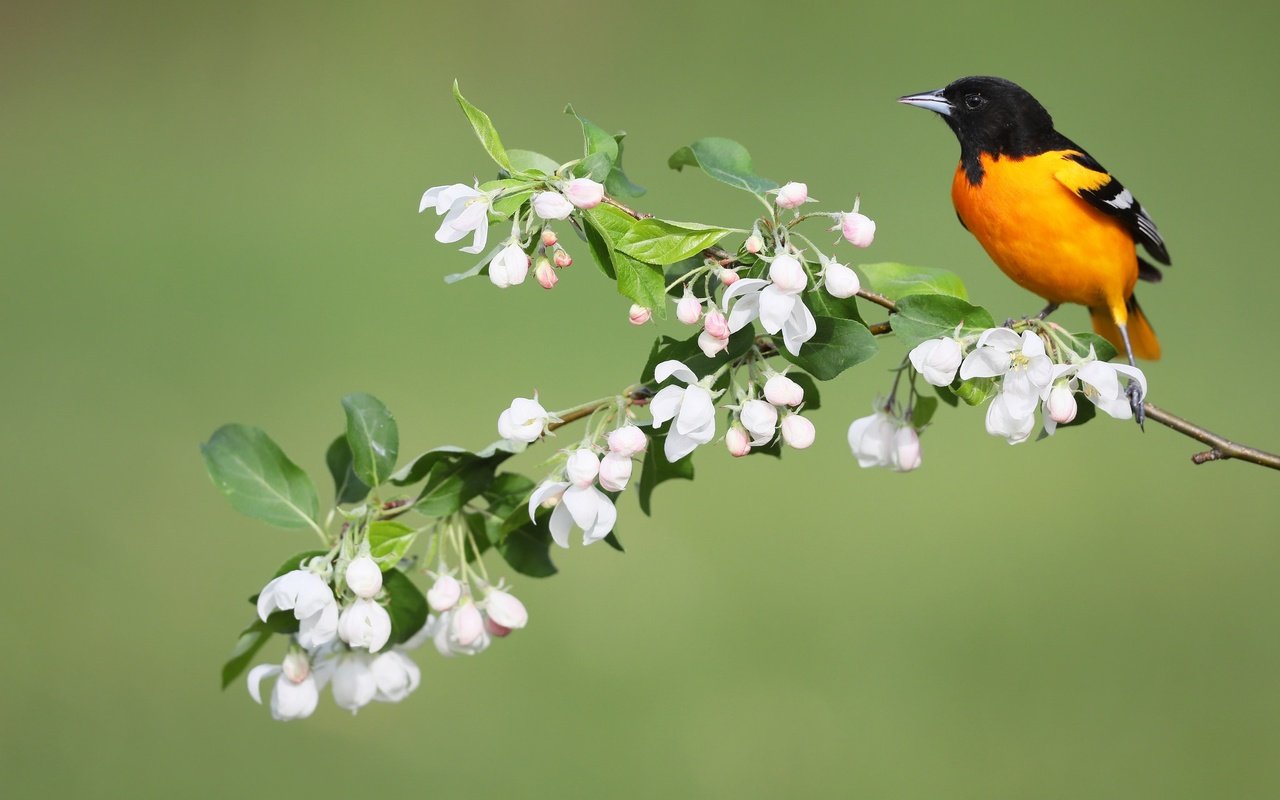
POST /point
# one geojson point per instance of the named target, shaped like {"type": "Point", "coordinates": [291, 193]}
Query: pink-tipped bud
{"type": "Point", "coordinates": [1061, 404]}
{"type": "Point", "coordinates": [906, 444]}
{"type": "Point", "coordinates": [582, 468]}
{"type": "Point", "coordinates": [546, 274]}
{"type": "Point", "coordinates": [711, 345]}
{"type": "Point", "coordinates": [788, 274]}
{"type": "Point", "coordinates": [754, 244]}
{"type": "Point", "coordinates": [562, 258]}
{"type": "Point", "coordinates": [737, 440]}
{"type": "Point", "coordinates": [627, 441]}
{"type": "Point", "coordinates": [689, 309]}
{"type": "Point", "coordinates": [782, 391]}
{"type": "Point", "coordinates": [495, 629]}
{"type": "Point", "coordinates": [638, 314]}
{"type": "Point", "coordinates": [549, 238]}
{"type": "Point", "coordinates": [615, 472]}
{"type": "Point", "coordinates": [797, 431]}
{"type": "Point", "coordinates": [858, 229]}
{"type": "Point", "coordinates": [793, 195]}
{"type": "Point", "coordinates": [467, 625]}
{"type": "Point", "coordinates": [296, 666]}
{"type": "Point", "coordinates": [716, 324]}
{"type": "Point", "coordinates": [444, 594]}
{"type": "Point", "coordinates": [504, 609]}
{"type": "Point", "coordinates": [727, 276]}
{"type": "Point", "coordinates": [584, 192]}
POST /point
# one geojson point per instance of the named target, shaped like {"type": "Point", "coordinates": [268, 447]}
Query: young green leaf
{"type": "Point", "coordinates": [258, 478]}
{"type": "Point", "coordinates": [642, 283]}
{"type": "Point", "coordinates": [896, 281]}
{"type": "Point", "coordinates": [373, 437]}
{"type": "Point", "coordinates": [657, 241]}
{"type": "Point", "coordinates": [408, 608]}
{"type": "Point", "coordinates": [529, 161]}
{"type": "Point", "coordinates": [454, 481]}
{"type": "Point", "coordinates": [837, 345]}
{"type": "Point", "coordinates": [928, 316]}
{"type": "Point", "coordinates": [823, 304]}
{"type": "Point", "coordinates": [722, 159]}
{"type": "Point", "coordinates": [657, 469]}
{"type": "Point", "coordinates": [247, 646]}
{"type": "Point", "coordinates": [618, 184]}
{"type": "Point", "coordinates": [484, 129]}
{"type": "Point", "coordinates": [388, 542]}
{"type": "Point", "coordinates": [923, 411]}
{"type": "Point", "coordinates": [1104, 350]}
{"type": "Point", "coordinates": [347, 486]}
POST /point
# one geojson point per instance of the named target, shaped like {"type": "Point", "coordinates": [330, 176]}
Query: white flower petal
{"type": "Point", "coordinates": [695, 410]}
{"type": "Point", "coordinates": [255, 678]}
{"type": "Point", "coordinates": [775, 307]}
{"type": "Point", "coordinates": [608, 515]}
{"type": "Point", "coordinates": [985, 362]}
{"type": "Point", "coordinates": [742, 286]}
{"type": "Point", "coordinates": [545, 491]}
{"type": "Point", "coordinates": [561, 524]}
{"type": "Point", "coordinates": [1001, 339]}
{"type": "Point", "coordinates": [581, 502]}
{"type": "Point", "coordinates": [799, 328]}
{"type": "Point", "coordinates": [672, 367]}
{"type": "Point", "coordinates": [665, 404]}
{"type": "Point", "coordinates": [744, 311]}
{"type": "Point", "coordinates": [677, 445]}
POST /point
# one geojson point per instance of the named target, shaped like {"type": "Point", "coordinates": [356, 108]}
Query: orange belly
{"type": "Point", "coordinates": [1044, 236]}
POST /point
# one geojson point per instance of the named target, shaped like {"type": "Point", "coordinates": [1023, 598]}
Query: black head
{"type": "Point", "coordinates": [992, 116]}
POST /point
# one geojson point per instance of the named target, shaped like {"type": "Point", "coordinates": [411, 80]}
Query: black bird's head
{"type": "Point", "coordinates": [990, 115]}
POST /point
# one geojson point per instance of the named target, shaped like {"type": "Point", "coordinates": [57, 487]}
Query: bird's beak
{"type": "Point", "coordinates": [934, 101]}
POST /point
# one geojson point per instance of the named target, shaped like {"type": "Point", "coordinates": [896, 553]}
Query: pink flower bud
{"type": "Point", "coordinates": [296, 666]}
{"type": "Point", "coordinates": [562, 258]}
{"type": "Point", "coordinates": [364, 577]}
{"type": "Point", "coordinates": [495, 629]}
{"type": "Point", "coordinates": [727, 276]}
{"type": "Point", "coordinates": [615, 471]}
{"type": "Point", "coordinates": [584, 192]}
{"type": "Point", "coordinates": [546, 274]}
{"type": "Point", "coordinates": [444, 594]}
{"type": "Point", "coordinates": [737, 441]}
{"type": "Point", "coordinates": [711, 345]}
{"type": "Point", "coordinates": [1061, 404]}
{"type": "Point", "coordinates": [797, 431]}
{"type": "Point", "coordinates": [466, 625]}
{"type": "Point", "coordinates": [504, 609]}
{"type": "Point", "coordinates": [787, 274]}
{"type": "Point", "coordinates": [782, 391]}
{"type": "Point", "coordinates": [857, 229]}
{"type": "Point", "coordinates": [582, 468]}
{"type": "Point", "coordinates": [906, 446]}
{"type": "Point", "coordinates": [689, 309]}
{"type": "Point", "coordinates": [840, 280]}
{"type": "Point", "coordinates": [549, 238]}
{"type": "Point", "coordinates": [627, 441]}
{"type": "Point", "coordinates": [793, 195]}
{"type": "Point", "coordinates": [754, 244]}
{"type": "Point", "coordinates": [551, 205]}
{"type": "Point", "coordinates": [716, 324]}
{"type": "Point", "coordinates": [638, 314]}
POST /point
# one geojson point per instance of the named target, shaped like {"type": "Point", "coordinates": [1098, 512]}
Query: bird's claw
{"type": "Point", "coordinates": [1134, 393]}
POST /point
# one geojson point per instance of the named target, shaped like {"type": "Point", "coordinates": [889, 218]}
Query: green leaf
{"type": "Point", "coordinates": [247, 646]}
{"type": "Point", "coordinates": [594, 138]}
{"type": "Point", "coordinates": [612, 221]}
{"type": "Point", "coordinates": [642, 283]}
{"type": "Point", "coordinates": [675, 271]}
{"type": "Point", "coordinates": [258, 478]}
{"type": "Point", "coordinates": [837, 345]}
{"type": "Point", "coordinates": [388, 542]}
{"type": "Point", "coordinates": [921, 317]}
{"type": "Point", "coordinates": [347, 486]}
{"type": "Point", "coordinates": [455, 480]}
{"type": "Point", "coordinates": [601, 248]}
{"type": "Point", "coordinates": [602, 158]}
{"type": "Point", "coordinates": [613, 541]}
{"type": "Point", "coordinates": [947, 396]}
{"type": "Point", "coordinates": [722, 159]}
{"type": "Point", "coordinates": [596, 166]}
{"type": "Point", "coordinates": [923, 411]}
{"type": "Point", "coordinates": [1104, 350]}
{"type": "Point", "coordinates": [812, 399]}
{"type": "Point", "coordinates": [686, 351]}
{"type": "Point", "coordinates": [373, 437]}
{"type": "Point", "coordinates": [975, 390]}
{"type": "Point", "coordinates": [657, 469]}
{"type": "Point", "coordinates": [896, 281]}
{"type": "Point", "coordinates": [479, 528]}
{"type": "Point", "coordinates": [408, 608]}
{"type": "Point", "coordinates": [823, 304]}
{"type": "Point", "coordinates": [657, 241]}
{"type": "Point", "coordinates": [526, 546]}
{"type": "Point", "coordinates": [484, 129]}
{"type": "Point", "coordinates": [618, 184]}
{"type": "Point", "coordinates": [527, 160]}
{"type": "Point", "coordinates": [507, 492]}
{"type": "Point", "coordinates": [509, 204]}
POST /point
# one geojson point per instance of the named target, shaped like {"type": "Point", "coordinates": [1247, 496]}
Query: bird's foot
{"type": "Point", "coordinates": [1134, 393]}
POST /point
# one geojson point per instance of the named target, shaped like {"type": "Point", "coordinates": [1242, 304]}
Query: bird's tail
{"type": "Point", "coordinates": [1141, 334]}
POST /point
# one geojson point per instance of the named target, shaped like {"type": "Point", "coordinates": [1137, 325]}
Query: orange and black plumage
{"type": "Point", "coordinates": [1047, 213]}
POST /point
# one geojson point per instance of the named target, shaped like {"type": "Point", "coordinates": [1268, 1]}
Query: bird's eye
{"type": "Point", "coordinates": [974, 101]}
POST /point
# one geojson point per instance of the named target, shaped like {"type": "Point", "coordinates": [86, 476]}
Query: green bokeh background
{"type": "Point", "coordinates": [209, 216]}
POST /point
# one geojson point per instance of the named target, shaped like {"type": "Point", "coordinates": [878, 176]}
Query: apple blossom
{"type": "Point", "coordinates": [1004, 420]}
{"type": "Point", "coordinates": [760, 419]}
{"type": "Point", "coordinates": [364, 577]}
{"type": "Point", "coordinates": [615, 472]}
{"type": "Point", "coordinates": [787, 274]}
{"type": "Point", "coordinates": [465, 210]}
{"type": "Point", "coordinates": [797, 431]}
{"type": "Point", "coordinates": [638, 314]}
{"type": "Point", "coordinates": [840, 280]}
{"type": "Point", "coordinates": [689, 309]}
{"type": "Point", "coordinates": [711, 345]}
{"type": "Point", "coordinates": [871, 439]}
{"type": "Point", "coordinates": [782, 391]}
{"type": "Point", "coordinates": [586, 507]}
{"type": "Point", "coordinates": [562, 258]}
{"type": "Point", "coordinates": [937, 360]}
{"type": "Point", "coordinates": [546, 274]}
{"type": "Point", "coordinates": [440, 629]}
{"type": "Point", "coordinates": [291, 697]}
{"type": "Point", "coordinates": [582, 468]}
{"type": "Point", "coordinates": [754, 244]}
{"type": "Point", "coordinates": [444, 593]}
{"type": "Point", "coordinates": [466, 627]}
{"type": "Point", "coordinates": [354, 685]}
{"type": "Point", "coordinates": [584, 193]}
{"type": "Point", "coordinates": [1100, 381]}
{"type": "Point", "coordinates": [737, 441]}
{"type": "Point", "coordinates": [366, 624]}
{"type": "Point", "coordinates": [524, 421]}
{"type": "Point", "coordinates": [505, 609]}
{"type": "Point", "coordinates": [1022, 362]}
{"type": "Point", "coordinates": [551, 205]}
{"type": "Point", "coordinates": [549, 238]}
{"type": "Point", "coordinates": [727, 276]}
{"type": "Point", "coordinates": [793, 195]}
{"type": "Point", "coordinates": [1060, 405]}
{"type": "Point", "coordinates": [906, 449]}
{"type": "Point", "coordinates": [692, 408]}
{"type": "Point", "coordinates": [494, 629]}
{"type": "Point", "coordinates": [310, 599]}
{"type": "Point", "coordinates": [776, 302]}
{"type": "Point", "coordinates": [716, 324]}
{"type": "Point", "coordinates": [627, 440]}
{"type": "Point", "coordinates": [509, 267]}
{"type": "Point", "coordinates": [857, 229]}
{"type": "Point", "coordinates": [395, 676]}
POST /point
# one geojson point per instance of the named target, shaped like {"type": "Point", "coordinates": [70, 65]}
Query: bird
{"type": "Point", "coordinates": [1051, 217]}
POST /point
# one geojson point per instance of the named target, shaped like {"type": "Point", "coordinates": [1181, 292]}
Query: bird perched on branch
{"type": "Point", "coordinates": [1051, 217]}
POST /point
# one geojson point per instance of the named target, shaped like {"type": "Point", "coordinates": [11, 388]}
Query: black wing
{"type": "Point", "coordinates": [1114, 199]}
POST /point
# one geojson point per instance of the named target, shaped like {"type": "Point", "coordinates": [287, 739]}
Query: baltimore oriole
{"type": "Point", "coordinates": [1050, 216]}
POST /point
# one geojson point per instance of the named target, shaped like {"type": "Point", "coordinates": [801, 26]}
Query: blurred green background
{"type": "Point", "coordinates": [209, 216]}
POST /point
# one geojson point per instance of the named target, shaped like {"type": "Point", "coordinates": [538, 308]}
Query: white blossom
{"type": "Point", "coordinates": [1100, 381]}
{"type": "Point", "coordinates": [760, 419]}
{"type": "Point", "coordinates": [505, 609]}
{"type": "Point", "coordinates": [584, 193]}
{"type": "Point", "coordinates": [1008, 419]}
{"type": "Point", "coordinates": [395, 676]}
{"type": "Point", "coordinates": [440, 629]}
{"type": "Point", "coordinates": [692, 408]}
{"type": "Point", "coordinates": [906, 449]}
{"type": "Point", "coordinates": [793, 195]}
{"type": "Point", "coordinates": [524, 421]}
{"type": "Point", "coordinates": [627, 441]}
{"type": "Point", "coordinates": [689, 309]}
{"type": "Point", "coordinates": [839, 280]}
{"type": "Point", "coordinates": [582, 468]}
{"type": "Point", "coordinates": [638, 314]}
{"type": "Point", "coordinates": [465, 210]}
{"type": "Point", "coordinates": [365, 624]}
{"type": "Point", "coordinates": [783, 391]}
{"type": "Point", "coordinates": [444, 594]}
{"type": "Point", "coordinates": [1060, 405]}
{"type": "Point", "coordinates": [364, 577]}
{"type": "Point", "coordinates": [292, 697]}
{"type": "Point", "coordinates": [615, 472]}
{"type": "Point", "coordinates": [797, 431]}
{"type": "Point", "coordinates": [551, 205]}
{"type": "Point", "coordinates": [882, 440]}
{"type": "Point", "coordinates": [586, 507]}
{"type": "Point", "coordinates": [737, 441]}
{"type": "Point", "coordinates": [509, 267]}
{"type": "Point", "coordinates": [1021, 363]}
{"type": "Point", "coordinates": [354, 685]}
{"type": "Point", "coordinates": [710, 344]}
{"type": "Point", "coordinates": [937, 360]}
{"type": "Point", "coordinates": [857, 229]}
{"type": "Point", "coordinates": [776, 302]}
{"type": "Point", "coordinates": [310, 599]}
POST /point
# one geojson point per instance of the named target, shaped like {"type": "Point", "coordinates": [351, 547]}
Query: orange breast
{"type": "Point", "coordinates": [1043, 235]}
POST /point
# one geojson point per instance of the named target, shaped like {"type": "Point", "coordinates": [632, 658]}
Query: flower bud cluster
{"type": "Point", "coordinates": [576, 492]}
{"type": "Point", "coordinates": [759, 422]}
